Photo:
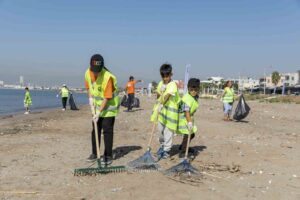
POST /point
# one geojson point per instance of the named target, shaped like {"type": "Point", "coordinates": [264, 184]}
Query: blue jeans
{"type": "Point", "coordinates": [227, 108]}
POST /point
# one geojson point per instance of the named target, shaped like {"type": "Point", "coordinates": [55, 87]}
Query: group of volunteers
{"type": "Point", "coordinates": [64, 93]}
{"type": "Point", "coordinates": [172, 113]}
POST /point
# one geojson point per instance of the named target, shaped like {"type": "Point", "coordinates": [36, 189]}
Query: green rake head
{"type": "Point", "coordinates": [99, 170]}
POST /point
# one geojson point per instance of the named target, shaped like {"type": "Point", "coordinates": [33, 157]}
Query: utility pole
{"type": "Point", "coordinates": [265, 81]}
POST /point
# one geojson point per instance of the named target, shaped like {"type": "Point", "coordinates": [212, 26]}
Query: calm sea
{"type": "Point", "coordinates": [11, 101]}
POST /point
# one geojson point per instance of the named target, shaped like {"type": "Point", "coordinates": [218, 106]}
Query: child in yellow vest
{"type": "Point", "coordinates": [27, 101]}
{"type": "Point", "coordinates": [166, 111]}
{"type": "Point", "coordinates": [189, 105]}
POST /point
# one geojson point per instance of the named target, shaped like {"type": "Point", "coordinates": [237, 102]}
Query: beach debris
{"type": "Point", "coordinates": [116, 189]}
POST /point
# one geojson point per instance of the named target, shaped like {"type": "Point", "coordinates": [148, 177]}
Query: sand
{"type": "Point", "coordinates": [255, 159]}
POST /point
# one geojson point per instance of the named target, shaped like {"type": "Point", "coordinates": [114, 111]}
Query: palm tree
{"type": "Point", "coordinates": [275, 79]}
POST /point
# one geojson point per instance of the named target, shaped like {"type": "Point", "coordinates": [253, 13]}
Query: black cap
{"type": "Point", "coordinates": [194, 83]}
{"type": "Point", "coordinates": [96, 63]}
{"type": "Point", "coordinates": [131, 78]}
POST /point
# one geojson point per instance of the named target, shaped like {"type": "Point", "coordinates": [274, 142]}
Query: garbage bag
{"type": "Point", "coordinates": [242, 109]}
{"type": "Point", "coordinates": [135, 103]}
{"type": "Point", "coordinates": [72, 103]}
{"type": "Point", "coordinates": [124, 101]}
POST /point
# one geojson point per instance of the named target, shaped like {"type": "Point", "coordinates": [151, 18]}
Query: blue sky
{"type": "Point", "coordinates": [50, 42]}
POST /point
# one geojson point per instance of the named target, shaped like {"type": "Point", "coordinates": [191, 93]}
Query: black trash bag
{"type": "Point", "coordinates": [136, 103]}
{"type": "Point", "coordinates": [124, 101]}
{"type": "Point", "coordinates": [242, 109]}
{"type": "Point", "coordinates": [72, 103]}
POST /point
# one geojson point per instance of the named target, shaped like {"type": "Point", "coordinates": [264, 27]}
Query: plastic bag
{"type": "Point", "coordinates": [124, 101]}
{"type": "Point", "coordinates": [135, 102]}
{"type": "Point", "coordinates": [242, 109]}
{"type": "Point", "coordinates": [72, 103]}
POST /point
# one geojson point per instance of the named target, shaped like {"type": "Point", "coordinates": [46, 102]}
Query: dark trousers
{"type": "Point", "coordinates": [130, 101]}
{"type": "Point", "coordinates": [107, 125]}
{"type": "Point", "coordinates": [185, 140]}
{"type": "Point", "coordinates": [64, 102]}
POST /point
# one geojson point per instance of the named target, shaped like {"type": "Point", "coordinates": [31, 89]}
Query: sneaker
{"type": "Point", "coordinates": [26, 113]}
{"type": "Point", "coordinates": [106, 160]}
{"type": "Point", "coordinates": [165, 155]}
{"type": "Point", "coordinates": [160, 151]}
{"type": "Point", "coordinates": [63, 109]}
{"type": "Point", "coordinates": [92, 158]}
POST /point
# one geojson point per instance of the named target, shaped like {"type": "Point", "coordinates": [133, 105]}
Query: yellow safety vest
{"type": "Point", "coordinates": [229, 95]}
{"type": "Point", "coordinates": [64, 92]}
{"type": "Point", "coordinates": [193, 105]}
{"type": "Point", "coordinates": [97, 89]}
{"type": "Point", "coordinates": [27, 99]}
{"type": "Point", "coordinates": [169, 113]}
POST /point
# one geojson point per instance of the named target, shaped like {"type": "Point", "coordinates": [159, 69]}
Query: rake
{"type": "Point", "coordinates": [101, 169]}
{"type": "Point", "coordinates": [184, 168]}
{"type": "Point", "coordinates": [145, 163]}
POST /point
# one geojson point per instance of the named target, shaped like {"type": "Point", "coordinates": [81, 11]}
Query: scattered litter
{"type": "Point", "coordinates": [295, 176]}
{"type": "Point", "coordinates": [261, 172]}
{"type": "Point", "coordinates": [270, 181]}
{"type": "Point", "coordinates": [273, 117]}
{"type": "Point", "coordinates": [116, 189]}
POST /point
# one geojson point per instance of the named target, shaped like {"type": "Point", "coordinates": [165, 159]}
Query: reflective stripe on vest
{"type": "Point", "coordinates": [115, 94]}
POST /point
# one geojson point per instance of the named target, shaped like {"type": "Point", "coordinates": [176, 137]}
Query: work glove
{"type": "Point", "coordinates": [190, 126]}
{"type": "Point", "coordinates": [96, 116]}
{"type": "Point", "coordinates": [163, 89]}
{"type": "Point", "coordinates": [91, 101]}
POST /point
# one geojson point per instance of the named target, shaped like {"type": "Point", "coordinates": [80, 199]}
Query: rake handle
{"type": "Point", "coordinates": [152, 134]}
{"type": "Point", "coordinates": [187, 146]}
{"type": "Point", "coordinates": [96, 133]}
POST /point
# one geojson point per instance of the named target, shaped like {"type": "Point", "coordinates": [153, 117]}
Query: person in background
{"type": "Point", "coordinates": [130, 89]}
{"type": "Point", "coordinates": [27, 101]}
{"type": "Point", "coordinates": [64, 93]}
{"type": "Point", "coordinates": [228, 97]}
{"type": "Point", "coordinates": [104, 101]}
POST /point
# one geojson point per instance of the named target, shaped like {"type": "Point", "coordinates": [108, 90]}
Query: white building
{"type": "Point", "coordinates": [21, 80]}
{"type": "Point", "coordinates": [1, 83]}
{"type": "Point", "coordinates": [289, 79]}
{"type": "Point", "coordinates": [248, 83]}
{"type": "Point", "coordinates": [216, 80]}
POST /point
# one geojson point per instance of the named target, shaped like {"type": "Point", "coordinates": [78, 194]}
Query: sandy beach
{"type": "Point", "coordinates": [255, 159]}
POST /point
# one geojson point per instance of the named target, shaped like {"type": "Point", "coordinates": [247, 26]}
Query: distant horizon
{"type": "Point", "coordinates": [145, 82]}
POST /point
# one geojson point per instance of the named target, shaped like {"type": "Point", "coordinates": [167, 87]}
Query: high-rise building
{"type": "Point", "coordinates": [21, 81]}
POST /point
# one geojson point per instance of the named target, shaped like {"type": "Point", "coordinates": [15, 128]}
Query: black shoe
{"type": "Point", "coordinates": [92, 158]}
{"type": "Point", "coordinates": [106, 161]}
{"type": "Point", "coordinates": [181, 154]}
